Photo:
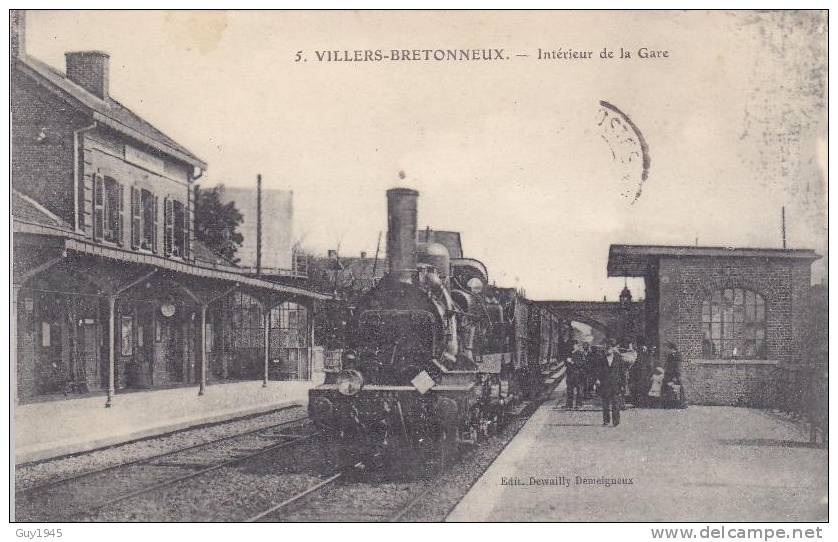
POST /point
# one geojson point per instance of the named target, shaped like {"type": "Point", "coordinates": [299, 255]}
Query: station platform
{"type": "Point", "coordinates": [703, 463]}
{"type": "Point", "coordinates": [56, 428]}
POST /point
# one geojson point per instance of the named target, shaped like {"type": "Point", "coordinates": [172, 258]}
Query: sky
{"type": "Point", "coordinates": [514, 152]}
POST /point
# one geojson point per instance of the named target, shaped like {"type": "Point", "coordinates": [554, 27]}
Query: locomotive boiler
{"type": "Point", "coordinates": [436, 357]}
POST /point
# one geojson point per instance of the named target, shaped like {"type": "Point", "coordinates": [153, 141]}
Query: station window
{"type": "Point", "coordinates": [246, 325]}
{"type": "Point", "coordinates": [209, 336]}
{"type": "Point", "coordinates": [291, 320]}
{"type": "Point", "coordinates": [148, 204]}
{"type": "Point", "coordinates": [45, 335]}
{"type": "Point", "coordinates": [107, 209]}
{"type": "Point", "coordinates": [176, 229]}
{"type": "Point", "coordinates": [143, 220]}
{"type": "Point", "coordinates": [179, 225]}
{"type": "Point", "coordinates": [127, 336]}
{"type": "Point", "coordinates": [290, 340]}
{"type": "Point", "coordinates": [733, 320]}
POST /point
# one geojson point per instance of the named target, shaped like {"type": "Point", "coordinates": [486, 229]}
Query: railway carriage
{"type": "Point", "coordinates": [550, 339]}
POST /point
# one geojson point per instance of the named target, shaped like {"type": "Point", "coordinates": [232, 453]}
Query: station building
{"type": "Point", "coordinates": [741, 317]}
{"type": "Point", "coordinates": [111, 290]}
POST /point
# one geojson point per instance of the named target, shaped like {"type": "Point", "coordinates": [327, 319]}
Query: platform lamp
{"type": "Point", "coordinates": [625, 294]}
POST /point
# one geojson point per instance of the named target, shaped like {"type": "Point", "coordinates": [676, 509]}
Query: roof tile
{"type": "Point", "coordinates": [112, 110]}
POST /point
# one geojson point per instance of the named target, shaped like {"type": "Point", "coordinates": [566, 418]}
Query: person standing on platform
{"type": "Point", "coordinates": [587, 373]}
{"type": "Point", "coordinates": [673, 388]}
{"type": "Point", "coordinates": [611, 375]}
{"type": "Point", "coordinates": [639, 376]}
{"type": "Point", "coordinates": [655, 388]}
{"type": "Point", "coordinates": [573, 376]}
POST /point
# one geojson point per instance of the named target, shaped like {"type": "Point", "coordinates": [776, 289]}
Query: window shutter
{"type": "Point", "coordinates": [98, 207]}
{"type": "Point", "coordinates": [120, 223]}
{"type": "Point", "coordinates": [187, 227]}
{"type": "Point", "coordinates": [136, 218]}
{"type": "Point", "coordinates": [168, 227]}
{"type": "Point", "coordinates": [154, 247]}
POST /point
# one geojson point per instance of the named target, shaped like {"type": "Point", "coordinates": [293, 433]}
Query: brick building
{"type": "Point", "coordinates": [741, 317]}
{"type": "Point", "coordinates": [110, 287]}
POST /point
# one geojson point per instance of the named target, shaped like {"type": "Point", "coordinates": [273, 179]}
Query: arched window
{"type": "Point", "coordinates": [246, 325]}
{"type": "Point", "coordinates": [733, 320]}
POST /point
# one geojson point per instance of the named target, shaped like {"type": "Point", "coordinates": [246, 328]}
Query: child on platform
{"type": "Point", "coordinates": [655, 389]}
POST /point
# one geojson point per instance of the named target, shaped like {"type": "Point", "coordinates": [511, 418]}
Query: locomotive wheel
{"type": "Point", "coordinates": [500, 420]}
{"type": "Point", "coordinates": [334, 453]}
{"type": "Point", "coordinates": [447, 448]}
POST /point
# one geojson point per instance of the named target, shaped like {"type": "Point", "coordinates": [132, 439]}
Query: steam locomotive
{"type": "Point", "coordinates": [436, 357]}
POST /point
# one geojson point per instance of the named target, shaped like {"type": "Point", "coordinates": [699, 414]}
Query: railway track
{"type": "Point", "coordinates": [288, 487]}
{"type": "Point", "coordinates": [340, 498]}
{"type": "Point", "coordinates": [335, 499]}
{"type": "Point", "coordinates": [83, 494]}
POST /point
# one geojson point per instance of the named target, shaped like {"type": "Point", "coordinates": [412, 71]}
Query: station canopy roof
{"type": "Point", "coordinates": [635, 260]}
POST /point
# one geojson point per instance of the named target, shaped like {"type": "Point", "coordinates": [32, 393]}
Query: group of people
{"type": "Point", "coordinates": [616, 374]}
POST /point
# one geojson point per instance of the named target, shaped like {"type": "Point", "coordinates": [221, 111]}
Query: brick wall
{"type": "Point", "coordinates": [25, 346]}
{"type": "Point", "coordinates": [42, 146]}
{"type": "Point", "coordinates": [684, 283]}
{"type": "Point", "coordinates": [736, 383]}
{"type": "Point", "coordinates": [801, 311]}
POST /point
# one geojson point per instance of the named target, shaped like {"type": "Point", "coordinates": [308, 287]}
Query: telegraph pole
{"type": "Point", "coordinates": [375, 262]}
{"type": "Point", "coordinates": [783, 220]}
{"type": "Point", "coordinates": [258, 224]}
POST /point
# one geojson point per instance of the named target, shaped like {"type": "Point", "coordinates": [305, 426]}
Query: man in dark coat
{"type": "Point", "coordinates": [611, 374]}
{"type": "Point", "coordinates": [640, 374]}
{"type": "Point", "coordinates": [573, 376]}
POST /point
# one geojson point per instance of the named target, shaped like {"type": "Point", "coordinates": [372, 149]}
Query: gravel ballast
{"type": "Point", "coordinates": [33, 474]}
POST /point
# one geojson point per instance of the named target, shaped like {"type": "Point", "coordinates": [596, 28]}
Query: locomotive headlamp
{"type": "Point", "coordinates": [350, 382]}
{"type": "Point", "coordinates": [348, 356]}
{"type": "Point", "coordinates": [475, 285]}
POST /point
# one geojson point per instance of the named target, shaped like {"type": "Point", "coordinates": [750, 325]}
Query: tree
{"type": "Point", "coordinates": [216, 223]}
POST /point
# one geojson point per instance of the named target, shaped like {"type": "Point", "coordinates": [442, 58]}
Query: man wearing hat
{"type": "Point", "coordinates": [611, 375]}
{"type": "Point", "coordinates": [573, 376]}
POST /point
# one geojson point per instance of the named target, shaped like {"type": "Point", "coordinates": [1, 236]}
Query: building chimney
{"type": "Point", "coordinates": [90, 70]}
{"type": "Point", "coordinates": [333, 254]}
{"type": "Point", "coordinates": [17, 34]}
{"type": "Point", "coordinates": [363, 254]}
{"type": "Point", "coordinates": [401, 232]}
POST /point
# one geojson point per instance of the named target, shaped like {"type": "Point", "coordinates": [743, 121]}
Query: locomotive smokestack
{"type": "Point", "coordinates": [401, 232]}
